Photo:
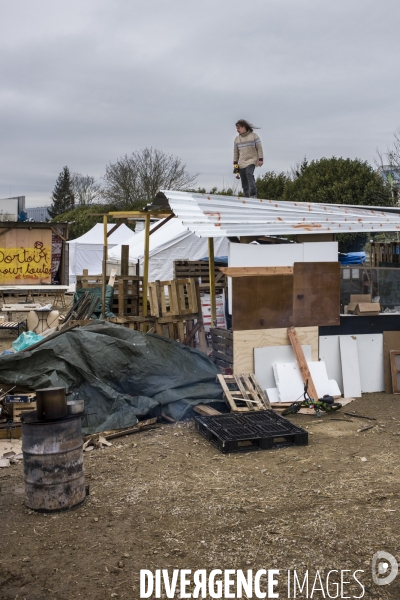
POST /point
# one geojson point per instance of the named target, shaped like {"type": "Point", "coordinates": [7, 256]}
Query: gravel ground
{"type": "Point", "coordinates": [166, 499]}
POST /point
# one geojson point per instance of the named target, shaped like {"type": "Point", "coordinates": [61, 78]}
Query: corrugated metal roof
{"type": "Point", "coordinates": [210, 215]}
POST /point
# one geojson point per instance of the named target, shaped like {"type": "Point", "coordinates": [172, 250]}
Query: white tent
{"type": "Point", "coordinates": [86, 252]}
{"type": "Point", "coordinates": [171, 242]}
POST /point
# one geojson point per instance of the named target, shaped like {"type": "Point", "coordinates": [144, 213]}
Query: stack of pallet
{"type": "Point", "coordinates": [184, 269]}
{"type": "Point", "coordinates": [222, 344]}
{"type": "Point", "coordinates": [128, 291]}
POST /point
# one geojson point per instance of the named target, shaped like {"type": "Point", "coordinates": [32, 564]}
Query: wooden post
{"type": "Point", "coordinates": [105, 258]}
{"type": "Point", "coordinates": [146, 262]}
{"type": "Point", "coordinates": [123, 283]}
{"type": "Point", "coordinates": [211, 270]}
{"type": "Point", "coordinates": [301, 361]}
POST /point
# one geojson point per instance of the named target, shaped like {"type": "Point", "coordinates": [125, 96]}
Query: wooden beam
{"type": "Point", "coordinates": [146, 262]}
{"type": "Point", "coordinates": [58, 233]}
{"type": "Point", "coordinates": [205, 410]}
{"type": "Point", "coordinates": [140, 214]}
{"type": "Point", "coordinates": [301, 361]}
{"type": "Point", "coordinates": [251, 271]}
{"type": "Point", "coordinates": [116, 227]}
{"type": "Point", "coordinates": [162, 223]}
{"type": "Point", "coordinates": [211, 270]}
{"type": "Point", "coordinates": [105, 258]}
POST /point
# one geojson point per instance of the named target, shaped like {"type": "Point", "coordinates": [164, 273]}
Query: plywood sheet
{"type": "Point", "coordinates": [273, 395]}
{"type": "Point", "coordinates": [290, 383]}
{"type": "Point", "coordinates": [260, 302]}
{"type": "Point", "coordinates": [244, 343]}
{"type": "Point", "coordinates": [329, 352]}
{"type": "Point", "coordinates": [316, 294]}
{"type": "Point", "coordinates": [370, 360]}
{"type": "Point", "coordinates": [350, 367]}
{"type": "Point", "coordinates": [391, 341]}
{"type": "Point", "coordinates": [25, 257]}
{"type": "Point", "coordinates": [265, 358]}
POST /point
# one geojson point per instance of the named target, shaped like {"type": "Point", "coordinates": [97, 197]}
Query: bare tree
{"type": "Point", "coordinates": [86, 189]}
{"type": "Point", "coordinates": [138, 177]}
{"type": "Point", "coordinates": [388, 163]}
{"type": "Point", "coordinates": [392, 153]}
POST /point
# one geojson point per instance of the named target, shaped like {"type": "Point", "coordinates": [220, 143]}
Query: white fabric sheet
{"type": "Point", "coordinates": [86, 252]}
{"type": "Point", "coordinates": [171, 242]}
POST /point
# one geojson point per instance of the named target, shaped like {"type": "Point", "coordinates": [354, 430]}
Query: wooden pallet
{"type": "Point", "coordinates": [10, 431]}
{"type": "Point", "coordinates": [128, 291]}
{"type": "Point", "coordinates": [21, 407]}
{"type": "Point", "coordinates": [222, 344]}
{"type": "Point", "coordinates": [248, 395]}
{"type": "Point", "coordinates": [200, 270]}
{"type": "Point", "coordinates": [176, 297]}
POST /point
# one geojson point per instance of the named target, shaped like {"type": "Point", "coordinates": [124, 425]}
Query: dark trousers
{"type": "Point", "coordinates": [248, 181]}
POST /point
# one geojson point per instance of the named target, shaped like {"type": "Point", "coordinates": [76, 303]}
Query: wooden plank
{"type": "Point", "coordinates": [350, 366]}
{"type": "Point", "coordinates": [301, 361]}
{"type": "Point", "coordinates": [227, 393]}
{"type": "Point", "coordinates": [202, 334]}
{"type": "Point", "coordinates": [217, 355]}
{"type": "Point", "coordinates": [391, 341]}
{"type": "Point", "coordinates": [260, 391]}
{"type": "Point", "coordinates": [249, 271]}
{"type": "Point", "coordinates": [395, 370]}
{"type": "Point", "coordinates": [244, 343]}
{"type": "Point", "coordinates": [262, 302]}
{"type": "Point", "coordinates": [223, 348]}
{"type": "Point", "coordinates": [316, 294]}
{"type": "Point", "coordinates": [222, 364]}
{"type": "Point", "coordinates": [226, 333]}
{"type": "Point", "coordinates": [205, 410]}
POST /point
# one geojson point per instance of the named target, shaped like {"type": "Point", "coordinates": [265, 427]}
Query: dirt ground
{"type": "Point", "coordinates": [166, 499]}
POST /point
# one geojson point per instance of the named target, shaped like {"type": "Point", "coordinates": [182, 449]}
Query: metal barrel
{"type": "Point", "coordinates": [53, 463]}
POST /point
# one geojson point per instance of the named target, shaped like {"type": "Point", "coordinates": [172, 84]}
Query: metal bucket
{"type": "Point", "coordinates": [53, 463]}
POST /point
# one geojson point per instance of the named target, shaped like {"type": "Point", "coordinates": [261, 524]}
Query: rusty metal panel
{"type": "Point", "coordinates": [260, 302]}
{"type": "Point", "coordinates": [210, 215]}
{"type": "Point", "coordinates": [316, 294]}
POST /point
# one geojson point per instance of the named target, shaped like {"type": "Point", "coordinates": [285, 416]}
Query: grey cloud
{"type": "Point", "coordinates": [84, 83]}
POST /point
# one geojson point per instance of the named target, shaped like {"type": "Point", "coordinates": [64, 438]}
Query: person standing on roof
{"type": "Point", "coordinates": [247, 154]}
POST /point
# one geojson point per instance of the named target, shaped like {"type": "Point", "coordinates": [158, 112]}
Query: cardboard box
{"type": "Point", "coordinates": [367, 308]}
{"type": "Point", "coordinates": [360, 298]}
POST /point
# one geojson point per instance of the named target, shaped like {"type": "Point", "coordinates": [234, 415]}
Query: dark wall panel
{"type": "Point", "coordinates": [262, 302]}
{"type": "Point", "coordinates": [316, 294]}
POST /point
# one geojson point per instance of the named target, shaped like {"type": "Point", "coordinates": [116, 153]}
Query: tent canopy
{"type": "Point", "coordinates": [86, 252]}
{"type": "Point", "coordinates": [173, 241]}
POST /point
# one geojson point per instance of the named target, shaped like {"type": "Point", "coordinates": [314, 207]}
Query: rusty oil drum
{"type": "Point", "coordinates": [53, 463]}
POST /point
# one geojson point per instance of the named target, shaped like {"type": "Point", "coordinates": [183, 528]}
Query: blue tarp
{"type": "Point", "coordinates": [352, 258]}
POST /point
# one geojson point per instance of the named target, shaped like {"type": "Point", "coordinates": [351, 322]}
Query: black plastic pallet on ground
{"type": "Point", "coordinates": [245, 432]}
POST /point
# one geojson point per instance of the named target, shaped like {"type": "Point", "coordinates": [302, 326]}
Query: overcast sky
{"type": "Point", "coordinates": [83, 82]}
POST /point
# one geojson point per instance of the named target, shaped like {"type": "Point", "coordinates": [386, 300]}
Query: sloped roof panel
{"type": "Point", "coordinates": [210, 215]}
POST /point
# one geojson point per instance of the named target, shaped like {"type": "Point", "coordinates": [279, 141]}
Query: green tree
{"type": "Point", "coordinates": [339, 181]}
{"type": "Point", "coordinates": [82, 218]}
{"type": "Point", "coordinates": [62, 197]}
{"type": "Point", "coordinates": [271, 186]}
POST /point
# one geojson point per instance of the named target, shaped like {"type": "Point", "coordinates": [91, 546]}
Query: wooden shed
{"type": "Point", "coordinates": [33, 253]}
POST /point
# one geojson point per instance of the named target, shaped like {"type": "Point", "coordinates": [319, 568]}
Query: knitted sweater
{"type": "Point", "coordinates": [247, 150]}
